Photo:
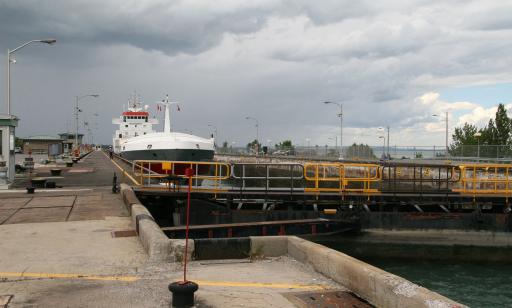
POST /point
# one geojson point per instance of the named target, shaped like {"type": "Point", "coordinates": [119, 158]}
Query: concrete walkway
{"type": "Point", "coordinates": [57, 250]}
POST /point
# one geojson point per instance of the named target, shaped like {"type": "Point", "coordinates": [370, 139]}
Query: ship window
{"type": "Point", "coordinates": [146, 118]}
{"type": "Point", "coordinates": [135, 125]}
{"type": "Point", "coordinates": [136, 134]}
{"type": "Point", "coordinates": [126, 125]}
{"type": "Point", "coordinates": [144, 133]}
{"type": "Point", "coordinates": [120, 135]}
{"type": "Point", "coordinates": [124, 119]}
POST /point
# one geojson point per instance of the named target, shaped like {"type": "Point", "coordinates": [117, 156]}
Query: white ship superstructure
{"type": "Point", "coordinates": [132, 123]}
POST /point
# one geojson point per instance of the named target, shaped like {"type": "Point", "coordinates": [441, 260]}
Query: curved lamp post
{"type": "Point", "coordinates": [383, 146]}
{"type": "Point", "coordinates": [77, 110]}
{"type": "Point", "coordinates": [341, 125]}
{"type": "Point", "coordinates": [446, 137]}
{"type": "Point", "coordinates": [257, 133]}
{"type": "Point", "coordinates": [9, 61]}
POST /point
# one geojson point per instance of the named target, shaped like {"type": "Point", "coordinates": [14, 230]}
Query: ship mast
{"type": "Point", "coordinates": [167, 121]}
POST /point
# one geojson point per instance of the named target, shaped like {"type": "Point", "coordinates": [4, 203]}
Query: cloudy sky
{"type": "Point", "coordinates": [394, 63]}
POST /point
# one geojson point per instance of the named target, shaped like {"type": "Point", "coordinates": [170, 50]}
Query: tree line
{"type": "Point", "coordinates": [497, 132]}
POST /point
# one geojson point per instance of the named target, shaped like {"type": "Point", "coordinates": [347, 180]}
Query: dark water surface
{"type": "Point", "coordinates": [472, 284]}
{"type": "Point", "coordinates": [475, 283]}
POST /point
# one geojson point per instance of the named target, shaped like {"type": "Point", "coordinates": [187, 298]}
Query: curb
{"type": "Point", "coordinates": [156, 244]}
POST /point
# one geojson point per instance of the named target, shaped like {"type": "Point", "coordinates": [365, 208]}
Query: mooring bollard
{"type": "Point", "coordinates": [183, 291]}
{"type": "Point", "coordinates": [115, 187]}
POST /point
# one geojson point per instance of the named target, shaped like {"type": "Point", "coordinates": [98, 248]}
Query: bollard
{"type": "Point", "coordinates": [115, 188]}
{"type": "Point", "coordinates": [183, 291]}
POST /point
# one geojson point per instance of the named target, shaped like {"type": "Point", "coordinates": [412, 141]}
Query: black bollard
{"type": "Point", "coordinates": [115, 189]}
{"type": "Point", "coordinates": [183, 293]}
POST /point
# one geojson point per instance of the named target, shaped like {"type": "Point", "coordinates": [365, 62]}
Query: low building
{"type": "Point", "coordinates": [42, 144]}
{"type": "Point", "coordinates": [68, 141]}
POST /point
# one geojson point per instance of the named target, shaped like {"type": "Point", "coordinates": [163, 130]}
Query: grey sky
{"type": "Point", "coordinates": [273, 60]}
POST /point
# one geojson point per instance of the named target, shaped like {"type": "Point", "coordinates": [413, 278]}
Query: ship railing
{"type": "Point", "coordinates": [172, 174]}
{"type": "Point", "coordinates": [478, 179]}
{"type": "Point", "coordinates": [342, 177]}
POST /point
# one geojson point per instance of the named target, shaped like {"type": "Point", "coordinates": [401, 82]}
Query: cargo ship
{"type": "Point", "coordinates": [135, 139]}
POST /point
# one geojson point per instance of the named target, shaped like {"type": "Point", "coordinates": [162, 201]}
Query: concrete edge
{"type": "Point", "coordinates": [156, 244]}
{"type": "Point", "coordinates": [377, 286]}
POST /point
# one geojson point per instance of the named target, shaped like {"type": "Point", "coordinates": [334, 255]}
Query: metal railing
{"type": "Point", "coordinates": [342, 177]}
{"type": "Point", "coordinates": [172, 173]}
{"type": "Point", "coordinates": [267, 174]}
{"type": "Point", "coordinates": [485, 179]}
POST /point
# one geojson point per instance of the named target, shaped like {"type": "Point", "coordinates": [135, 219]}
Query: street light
{"type": "Point", "coordinates": [9, 61]}
{"type": "Point", "coordinates": [257, 132]}
{"type": "Point", "coordinates": [478, 135]}
{"type": "Point", "coordinates": [341, 125]}
{"type": "Point", "coordinates": [446, 137]}
{"type": "Point", "coordinates": [77, 110]}
{"type": "Point", "coordinates": [383, 146]}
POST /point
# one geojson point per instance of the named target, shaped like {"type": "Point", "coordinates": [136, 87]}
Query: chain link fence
{"type": "Point", "coordinates": [363, 152]}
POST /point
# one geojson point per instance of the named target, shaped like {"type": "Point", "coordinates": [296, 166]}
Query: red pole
{"type": "Point", "coordinates": [189, 172]}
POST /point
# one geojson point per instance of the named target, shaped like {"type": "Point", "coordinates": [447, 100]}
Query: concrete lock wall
{"type": "Point", "coordinates": [378, 287]}
{"type": "Point", "coordinates": [156, 244]}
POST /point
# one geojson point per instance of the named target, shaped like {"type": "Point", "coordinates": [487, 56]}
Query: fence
{"type": "Point", "coordinates": [363, 152]}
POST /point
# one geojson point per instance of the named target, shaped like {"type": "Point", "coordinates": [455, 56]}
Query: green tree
{"type": "Point", "coordinates": [254, 145]}
{"type": "Point", "coordinates": [284, 145]}
{"type": "Point", "coordinates": [462, 136]}
{"type": "Point", "coordinates": [496, 133]}
{"type": "Point", "coordinates": [502, 126]}
{"type": "Point", "coordinates": [360, 151]}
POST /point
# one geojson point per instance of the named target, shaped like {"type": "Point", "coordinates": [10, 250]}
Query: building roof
{"type": "Point", "coordinates": [42, 137]}
{"type": "Point", "coordinates": [67, 135]}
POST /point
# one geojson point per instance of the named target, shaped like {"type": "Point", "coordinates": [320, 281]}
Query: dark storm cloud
{"type": "Point", "coordinates": [167, 26]}
{"type": "Point", "coordinates": [275, 60]}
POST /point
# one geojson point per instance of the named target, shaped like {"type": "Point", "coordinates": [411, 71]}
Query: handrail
{"type": "Point", "coordinates": [485, 179]}
{"type": "Point", "coordinates": [202, 171]}
{"type": "Point", "coordinates": [295, 172]}
{"type": "Point", "coordinates": [342, 175]}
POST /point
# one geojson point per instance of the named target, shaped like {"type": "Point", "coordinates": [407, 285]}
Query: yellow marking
{"type": "Point", "coordinates": [67, 276]}
{"type": "Point", "coordinates": [120, 168]}
{"type": "Point", "coordinates": [258, 285]}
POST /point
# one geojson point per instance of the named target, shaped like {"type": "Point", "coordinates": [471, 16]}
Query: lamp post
{"type": "Point", "coordinates": [9, 61]}
{"type": "Point", "coordinates": [77, 110]}
{"type": "Point", "coordinates": [383, 146]}
{"type": "Point", "coordinates": [341, 125]}
{"type": "Point", "coordinates": [446, 136]}
{"type": "Point", "coordinates": [257, 133]}
{"type": "Point", "coordinates": [335, 139]}
{"type": "Point", "coordinates": [478, 135]}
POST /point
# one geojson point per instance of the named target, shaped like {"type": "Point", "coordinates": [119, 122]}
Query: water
{"type": "Point", "coordinates": [456, 272]}
{"type": "Point", "coordinates": [472, 284]}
